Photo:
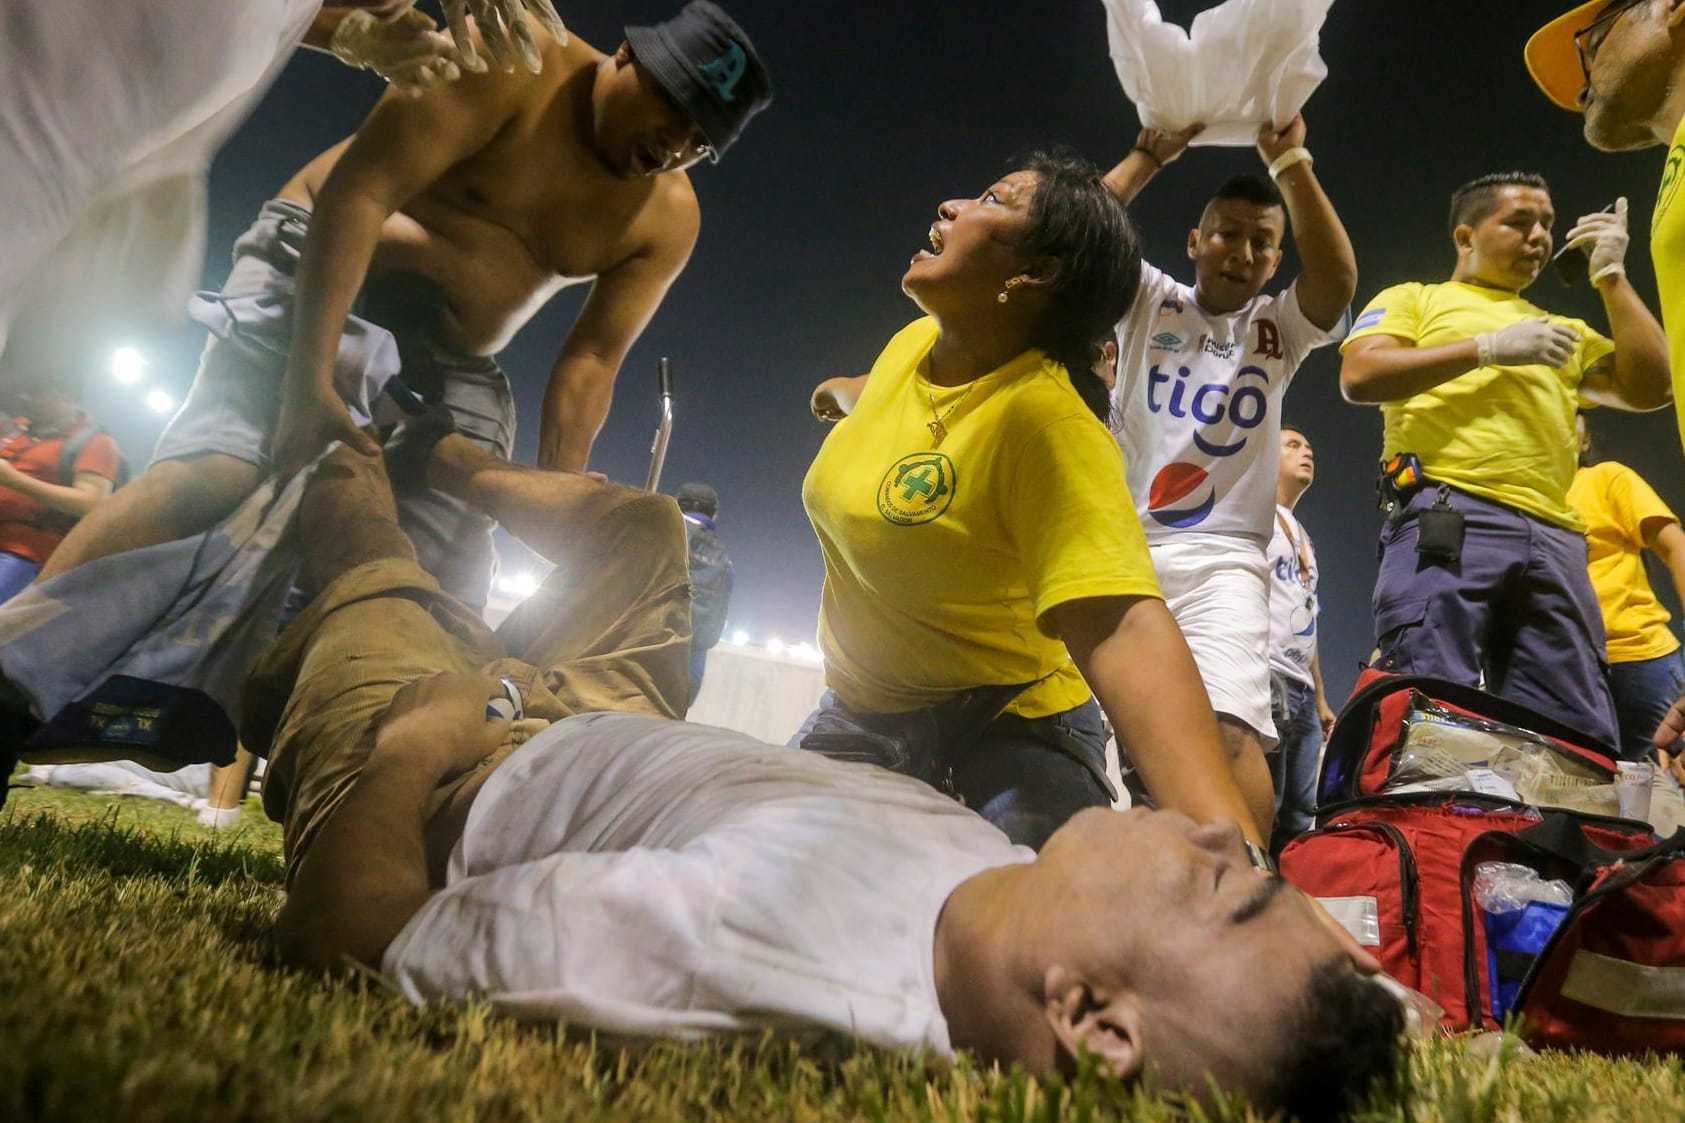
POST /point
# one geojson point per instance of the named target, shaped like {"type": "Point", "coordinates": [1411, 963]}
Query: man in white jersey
{"type": "Point", "coordinates": [1298, 702]}
{"type": "Point", "coordinates": [634, 874]}
{"type": "Point", "coordinates": [1201, 374]}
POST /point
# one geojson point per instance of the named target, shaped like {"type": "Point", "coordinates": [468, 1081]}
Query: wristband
{"type": "Point", "coordinates": [1483, 350]}
{"type": "Point", "coordinates": [1615, 269]}
{"type": "Point", "coordinates": [1287, 159]}
{"type": "Point", "coordinates": [1260, 858]}
{"type": "Point", "coordinates": [1148, 153]}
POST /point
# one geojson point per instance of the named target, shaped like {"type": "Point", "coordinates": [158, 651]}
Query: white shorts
{"type": "Point", "coordinates": [1217, 587]}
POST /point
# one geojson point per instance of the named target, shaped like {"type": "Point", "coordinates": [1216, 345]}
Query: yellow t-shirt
{"type": "Point", "coordinates": [1615, 502]}
{"type": "Point", "coordinates": [1667, 251]}
{"type": "Point", "coordinates": [1502, 433]}
{"type": "Point", "coordinates": [941, 564]}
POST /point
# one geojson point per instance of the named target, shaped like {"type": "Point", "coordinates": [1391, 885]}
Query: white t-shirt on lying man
{"type": "Point", "coordinates": [653, 878]}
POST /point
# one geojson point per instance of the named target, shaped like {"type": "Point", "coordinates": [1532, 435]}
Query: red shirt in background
{"type": "Point", "coordinates": [28, 528]}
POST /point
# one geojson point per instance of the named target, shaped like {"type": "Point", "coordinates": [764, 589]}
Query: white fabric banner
{"type": "Point", "coordinates": [1244, 62]}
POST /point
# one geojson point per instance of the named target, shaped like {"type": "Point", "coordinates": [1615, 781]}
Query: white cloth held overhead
{"type": "Point", "coordinates": [1243, 63]}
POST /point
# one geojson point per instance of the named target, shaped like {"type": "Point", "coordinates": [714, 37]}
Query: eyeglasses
{"type": "Point", "coordinates": [1589, 38]}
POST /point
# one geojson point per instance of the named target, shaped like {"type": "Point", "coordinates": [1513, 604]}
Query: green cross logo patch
{"type": "Point", "coordinates": [916, 489]}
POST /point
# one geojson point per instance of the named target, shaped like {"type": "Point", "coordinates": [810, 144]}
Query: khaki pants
{"type": "Point", "coordinates": [609, 630]}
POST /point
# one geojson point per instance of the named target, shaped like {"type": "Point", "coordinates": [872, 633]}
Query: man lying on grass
{"type": "Point", "coordinates": [601, 863]}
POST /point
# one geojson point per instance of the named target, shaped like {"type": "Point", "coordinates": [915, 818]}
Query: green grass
{"type": "Point", "coordinates": [136, 984]}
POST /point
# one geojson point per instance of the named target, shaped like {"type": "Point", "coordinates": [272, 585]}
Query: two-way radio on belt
{"type": "Point", "coordinates": [664, 431]}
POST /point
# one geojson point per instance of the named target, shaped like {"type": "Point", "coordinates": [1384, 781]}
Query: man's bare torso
{"type": "Point", "coordinates": [530, 213]}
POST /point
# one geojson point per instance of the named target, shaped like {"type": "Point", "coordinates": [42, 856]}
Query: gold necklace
{"type": "Point", "coordinates": [938, 426]}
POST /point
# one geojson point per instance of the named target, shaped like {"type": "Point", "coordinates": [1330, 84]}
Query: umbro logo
{"type": "Point", "coordinates": [1166, 341]}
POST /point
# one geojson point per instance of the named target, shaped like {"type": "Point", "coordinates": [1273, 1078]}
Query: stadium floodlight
{"type": "Point", "coordinates": [160, 402]}
{"type": "Point", "coordinates": [127, 365]}
{"type": "Point", "coordinates": [519, 585]}
{"type": "Point", "coordinates": [775, 645]}
{"type": "Point", "coordinates": [740, 638]}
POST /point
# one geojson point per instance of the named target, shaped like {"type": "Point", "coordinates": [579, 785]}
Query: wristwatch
{"type": "Point", "coordinates": [1261, 860]}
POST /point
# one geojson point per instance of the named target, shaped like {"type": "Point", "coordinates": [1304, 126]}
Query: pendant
{"type": "Point", "coordinates": [938, 432]}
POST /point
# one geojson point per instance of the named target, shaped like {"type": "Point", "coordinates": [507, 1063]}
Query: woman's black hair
{"type": "Point", "coordinates": [1075, 220]}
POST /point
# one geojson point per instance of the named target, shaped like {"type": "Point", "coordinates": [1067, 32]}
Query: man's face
{"type": "Point", "coordinates": [638, 130]}
{"type": "Point", "coordinates": [1298, 464]}
{"type": "Point", "coordinates": [1172, 914]}
{"type": "Point", "coordinates": [1509, 247]}
{"type": "Point", "coordinates": [1631, 52]}
{"type": "Point", "coordinates": [1235, 251]}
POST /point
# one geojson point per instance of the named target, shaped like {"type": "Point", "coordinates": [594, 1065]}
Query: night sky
{"type": "Point", "coordinates": [882, 110]}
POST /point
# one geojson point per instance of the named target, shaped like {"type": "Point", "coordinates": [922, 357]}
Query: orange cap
{"type": "Point", "coordinates": [1554, 60]}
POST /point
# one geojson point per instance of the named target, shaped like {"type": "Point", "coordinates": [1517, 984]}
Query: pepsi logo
{"type": "Point", "coordinates": [1172, 499]}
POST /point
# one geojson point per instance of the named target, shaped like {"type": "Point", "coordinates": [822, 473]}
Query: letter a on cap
{"type": "Point", "coordinates": [725, 72]}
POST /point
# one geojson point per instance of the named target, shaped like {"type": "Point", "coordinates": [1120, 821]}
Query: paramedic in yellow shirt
{"type": "Point", "coordinates": [1624, 517]}
{"type": "Point", "coordinates": [1483, 562]}
{"type": "Point", "coordinates": [1622, 64]}
{"type": "Point", "coordinates": [985, 576]}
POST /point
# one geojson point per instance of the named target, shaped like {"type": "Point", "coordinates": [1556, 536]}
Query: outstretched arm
{"type": "Point", "coordinates": [1329, 280]}
{"type": "Point", "coordinates": [1153, 150]}
{"type": "Point", "coordinates": [365, 876]}
{"type": "Point", "coordinates": [835, 398]}
{"type": "Point", "coordinates": [622, 300]}
{"type": "Point", "coordinates": [404, 147]}
{"type": "Point", "coordinates": [75, 499]}
{"type": "Point", "coordinates": [1139, 667]}
{"type": "Point", "coordinates": [1386, 368]}
{"type": "Point", "coordinates": [1637, 376]}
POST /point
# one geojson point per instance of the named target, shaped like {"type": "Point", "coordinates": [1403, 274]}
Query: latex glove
{"type": "Point", "coordinates": [409, 51]}
{"type": "Point", "coordinates": [1606, 233]}
{"type": "Point", "coordinates": [499, 22]}
{"type": "Point", "coordinates": [1530, 341]}
{"type": "Point", "coordinates": [1163, 148]}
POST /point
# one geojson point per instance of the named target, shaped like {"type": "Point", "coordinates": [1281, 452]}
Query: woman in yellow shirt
{"type": "Point", "coordinates": [986, 578]}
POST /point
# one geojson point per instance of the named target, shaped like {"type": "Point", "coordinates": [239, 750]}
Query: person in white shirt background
{"type": "Point", "coordinates": [1201, 374]}
{"type": "Point", "coordinates": [1299, 704]}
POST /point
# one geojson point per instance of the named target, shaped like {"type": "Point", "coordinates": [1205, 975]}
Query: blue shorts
{"type": "Point", "coordinates": [1515, 614]}
{"type": "Point", "coordinates": [235, 400]}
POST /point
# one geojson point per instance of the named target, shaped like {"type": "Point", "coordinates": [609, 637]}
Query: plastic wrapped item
{"type": "Point", "coordinates": [1441, 750]}
{"type": "Point", "coordinates": [1241, 64]}
{"type": "Point", "coordinates": [1522, 912]}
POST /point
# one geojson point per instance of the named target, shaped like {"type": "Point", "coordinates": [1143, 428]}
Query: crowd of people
{"type": "Point", "coordinates": [1061, 500]}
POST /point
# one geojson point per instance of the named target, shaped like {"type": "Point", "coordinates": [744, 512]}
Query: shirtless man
{"type": "Point", "coordinates": [444, 225]}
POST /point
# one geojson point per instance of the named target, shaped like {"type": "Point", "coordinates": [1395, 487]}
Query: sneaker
{"type": "Point", "coordinates": [216, 818]}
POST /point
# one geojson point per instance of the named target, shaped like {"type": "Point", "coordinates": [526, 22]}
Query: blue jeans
{"type": "Point", "coordinates": [1298, 725]}
{"type": "Point", "coordinates": [1516, 612]}
{"type": "Point", "coordinates": [1643, 692]}
{"type": "Point", "coordinates": [15, 575]}
{"type": "Point", "coordinates": [1027, 776]}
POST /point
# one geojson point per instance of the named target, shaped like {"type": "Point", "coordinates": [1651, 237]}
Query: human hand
{"type": "Point", "coordinates": [408, 50]}
{"type": "Point", "coordinates": [499, 21]}
{"type": "Point", "coordinates": [1273, 142]}
{"type": "Point", "coordinates": [1667, 737]}
{"type": "Point", "coordinates": [309, 422]}
{"type": "Point", "coordinates": [824, 403]}
{"type": "Point", "coordinates": [1538, 340]}
{"type": "Point", "coordinates": [1326, 716]}
{"type": "Point", "coordinates": [441, 724]}
{"type": "Point", "coordinates": [1606, 233]}
{"type": "Point", "coordinates": [1164, 148]}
